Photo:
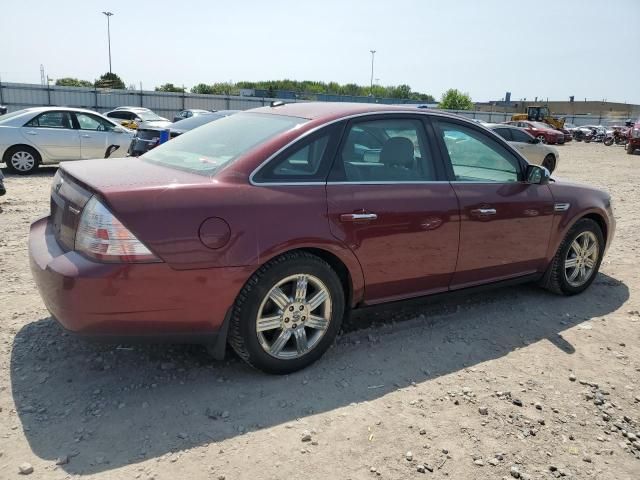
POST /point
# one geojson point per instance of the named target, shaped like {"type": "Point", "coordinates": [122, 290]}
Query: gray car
{"type": "Point", "coordinates": [536, 152]}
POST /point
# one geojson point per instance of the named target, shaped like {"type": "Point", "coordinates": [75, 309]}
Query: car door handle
{"type": "Point", "coordinates": [483, 211]}
{"type": "Point", "coordinates": [358, 217]}
{"type": "Point", "coordinates": [31, 132]}
{"type": "Point", "coordinates": [86, 135]}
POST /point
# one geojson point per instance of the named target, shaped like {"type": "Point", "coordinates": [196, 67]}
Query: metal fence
{"type": "Point", "coordinates": [24, 95]}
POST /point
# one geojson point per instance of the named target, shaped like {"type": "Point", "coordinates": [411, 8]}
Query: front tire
{"type": "Point", "coordinates": [578, 259]}
{"type": "Point", "coordinates": [22, 159]}
{"type": "Point", "coordinates": [542, 138]}
{"type": "Point", "coordinates": [549, 162]}
{"type": "Point", "coordinates": [287, 314]}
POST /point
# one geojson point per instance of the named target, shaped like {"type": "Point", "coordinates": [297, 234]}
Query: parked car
{"type": "Point", "coordinates": [568, 136]}
{"type": "Point", "coordinates": [136, 117]}
{"type": "Point", "coordinates": [530, 147]}
{"type": "Point", "coordinates": [633, 135]}
{"type": "Point", "coordinates": [192, 112]}
{"type": "Point", "coordinates": [48, 135]}
{"type": "Point", "coordinates": [3, 189]}
{"type": "Point", "coordinates": [147, 138]}
{"type": "Point", "coordinates": [570, 127]}
{"type": "Point", "coordinates": [541, 131]}
{"type": "Point", "coordinates": [265, 228]}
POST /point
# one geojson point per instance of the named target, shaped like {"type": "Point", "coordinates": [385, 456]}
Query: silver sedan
{"type": "Point", "coordinates": [48, 135]}
{"type": "Point", "coordinates": [531, 148]}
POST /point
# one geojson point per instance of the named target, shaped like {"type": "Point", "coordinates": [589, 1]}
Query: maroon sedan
{"type": "Point", "coordinates": [542, 132]}
{"type": "Point", "coordinates": [265, 228]}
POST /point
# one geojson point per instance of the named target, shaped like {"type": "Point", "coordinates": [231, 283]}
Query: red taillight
{"type": "Point", "coordinates": [102, 236]}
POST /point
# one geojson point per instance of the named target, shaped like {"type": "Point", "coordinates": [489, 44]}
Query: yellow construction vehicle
{"type": "Point", "coordinates": [538, 113]}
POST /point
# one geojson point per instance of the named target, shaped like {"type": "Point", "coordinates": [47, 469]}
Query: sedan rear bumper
{"type": "Point", "coordinates": [130, 300]}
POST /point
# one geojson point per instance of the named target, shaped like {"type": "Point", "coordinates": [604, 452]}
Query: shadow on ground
{"type": "Point", "coordinates": [110, 406]}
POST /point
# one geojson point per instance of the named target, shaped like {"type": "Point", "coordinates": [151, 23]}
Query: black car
{"type": "Point", "coordinates": [147, 138]}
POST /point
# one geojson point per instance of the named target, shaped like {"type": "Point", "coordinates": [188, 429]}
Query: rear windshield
{"type": "Point", "coordinates": [209, 148]}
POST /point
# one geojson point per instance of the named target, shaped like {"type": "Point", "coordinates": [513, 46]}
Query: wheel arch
{"type": "Point", "coordinates": [5, 155]}
{"type": "Point", "coordinates": [599, 219]}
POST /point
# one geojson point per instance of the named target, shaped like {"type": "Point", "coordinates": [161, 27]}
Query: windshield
{"type": "Point", "coordinates": [148, 116]}
{"type": "Point", "coordinates": [193, 122]}
{"type": "Point", "coordinates": [207, 149]}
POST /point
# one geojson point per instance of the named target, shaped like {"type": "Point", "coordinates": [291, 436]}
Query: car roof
{"type": "Point", "coordinates": [69, 109]}
{"type": "Point", "coordinates": [325, 111]}
{"type": "Point", "coordinates": [132, 108]}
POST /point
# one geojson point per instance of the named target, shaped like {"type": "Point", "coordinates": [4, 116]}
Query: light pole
{"type": "Point", "coordinates": [373, 54]}
{"type": "Point", "coordinates": [109, 14]}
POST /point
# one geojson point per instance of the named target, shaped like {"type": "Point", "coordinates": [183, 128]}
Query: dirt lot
{"type": "Point", "coordinates": [512, 383]}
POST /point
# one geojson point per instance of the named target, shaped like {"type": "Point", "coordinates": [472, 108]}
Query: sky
{"type": "Point", "coordinates": [554, 49]}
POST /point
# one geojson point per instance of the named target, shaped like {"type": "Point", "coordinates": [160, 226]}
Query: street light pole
{"type": "Point", "coordinates": [373, 54]}
{"type": "Point", "coordinates": [109, 14]}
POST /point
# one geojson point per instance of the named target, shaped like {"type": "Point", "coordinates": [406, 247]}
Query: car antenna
{"type": "Point", "coordinates": [277, 103]}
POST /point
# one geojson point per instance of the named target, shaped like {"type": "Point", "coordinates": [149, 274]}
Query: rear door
{"type": "Point", "coordinates": [505, 222]}
{"type": "Point", "coordinates": [95, 135]}
{"type": "Point", "coordinates": [389, 202]}
{"type": "Point", "coordinates": [53, 134]}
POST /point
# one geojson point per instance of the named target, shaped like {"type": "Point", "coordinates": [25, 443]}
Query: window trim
{"type": "Point", "coordinates": [422, 119]}
{"type": "Point", "coordinates": [520, 161]}
{"type": "Point", "coordinates": [26, 125]}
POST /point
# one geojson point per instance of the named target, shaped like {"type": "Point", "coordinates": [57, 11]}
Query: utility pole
{"type": "Point", "coordinates": [109, 14]}
{"type": "Point", "coordinates": [373, 54]}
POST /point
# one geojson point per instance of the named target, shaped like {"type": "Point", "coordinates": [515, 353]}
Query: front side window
{"type": "Point", "coordinates": [51, 120]}
{"type": "Point", "coordinates": [390, 150]}
{"type": "Point", "coordinates": [476, 157]}
{"type": "Point", "coordinates": [209, 148]}
{"type": "Point", "coordinates": [91, 122]}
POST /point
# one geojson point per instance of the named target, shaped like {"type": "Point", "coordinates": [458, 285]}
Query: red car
{"type": "Point", "coordinates": [263, 229]}
{"type": "Point", "coordinates": [633, 137]}
{"type": "Point", "coordinates": [542, 132]}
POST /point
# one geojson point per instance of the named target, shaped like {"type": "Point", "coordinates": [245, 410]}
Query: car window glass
{"type": "Point", "coordinates": [475, 157]}
{"type": "Point", "coordinates": [91, 122]}
{"type": "Point", "coordinates": [302, 164]}
{"type": "Point", "coordinates": [521, 136]}
{"type": "Point", "coordinates": [504, 133]}
{"type": "Point", "coordinates": [390, 150]}
{"type": "Point", "coordinates": [51, 120]}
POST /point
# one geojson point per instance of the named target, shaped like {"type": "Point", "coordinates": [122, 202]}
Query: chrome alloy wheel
{"type": "Point", "coordinates": [293, 316]}
{"type": "Point", "coordinates": [22, 161]}
{"type": "Point", "coordinates": [581, 259]}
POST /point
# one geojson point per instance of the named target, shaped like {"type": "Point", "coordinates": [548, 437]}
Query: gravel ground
{"type": "Point", "coordinates": [514, 383]}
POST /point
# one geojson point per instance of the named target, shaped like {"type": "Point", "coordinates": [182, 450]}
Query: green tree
{"type": "Point", "coordinates": [110, 80]}
{"type": "Point", "coordinates": [202, 88]}
{"type": "Point", "coordinates": [170, 87]}
{"type": "Point", "coordinates": [454, 99]}
{"type": "Point", "coordinates": [73, 82]}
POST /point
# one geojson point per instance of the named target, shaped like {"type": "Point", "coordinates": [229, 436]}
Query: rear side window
{"type": "Point", "coordinates": [388, 150]}
{"type": "Point", "coordinates": [504, 133]}
{"type": "Point", "coordinates": [476, 157]}
{"type": "Point", "coordinates": [51, 120]}
{"type": "Point", "coordinates": [521, 136]}
{"type": "Point", "coordinates": [210, 147]}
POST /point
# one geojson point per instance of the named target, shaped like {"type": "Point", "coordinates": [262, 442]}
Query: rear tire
{"type": "Point", "coordinates": [549, 162]}
{"type": "Point", "coordinates": [560, 278]}
{"type": "Point", "coordinates": [630, 149]}
{"type": "Point", "coordinates": [265, 347]}
{"type": "Point", "coordinates": [608, 141]}
{"type": "Point", "coordinates": [22, 159]}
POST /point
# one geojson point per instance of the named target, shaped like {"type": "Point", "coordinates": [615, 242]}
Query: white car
{"type": "Point", "coordinates": [49, 135]}
{"type": "Point", "coordinates": [531, 148]}
{"type": "Point", "coordinates": [140, 116]}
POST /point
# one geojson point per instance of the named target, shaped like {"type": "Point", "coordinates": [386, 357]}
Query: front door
{"type": "Point", "coordinates": [95, 135]}
{"type": "Point", "coordinates": [389, 202]}
{"type": "Point", "coordinates": [505, 222]}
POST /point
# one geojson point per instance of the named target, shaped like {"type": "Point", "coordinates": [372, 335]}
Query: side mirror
{"type": "Point", "coordinates": [537, 175]}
